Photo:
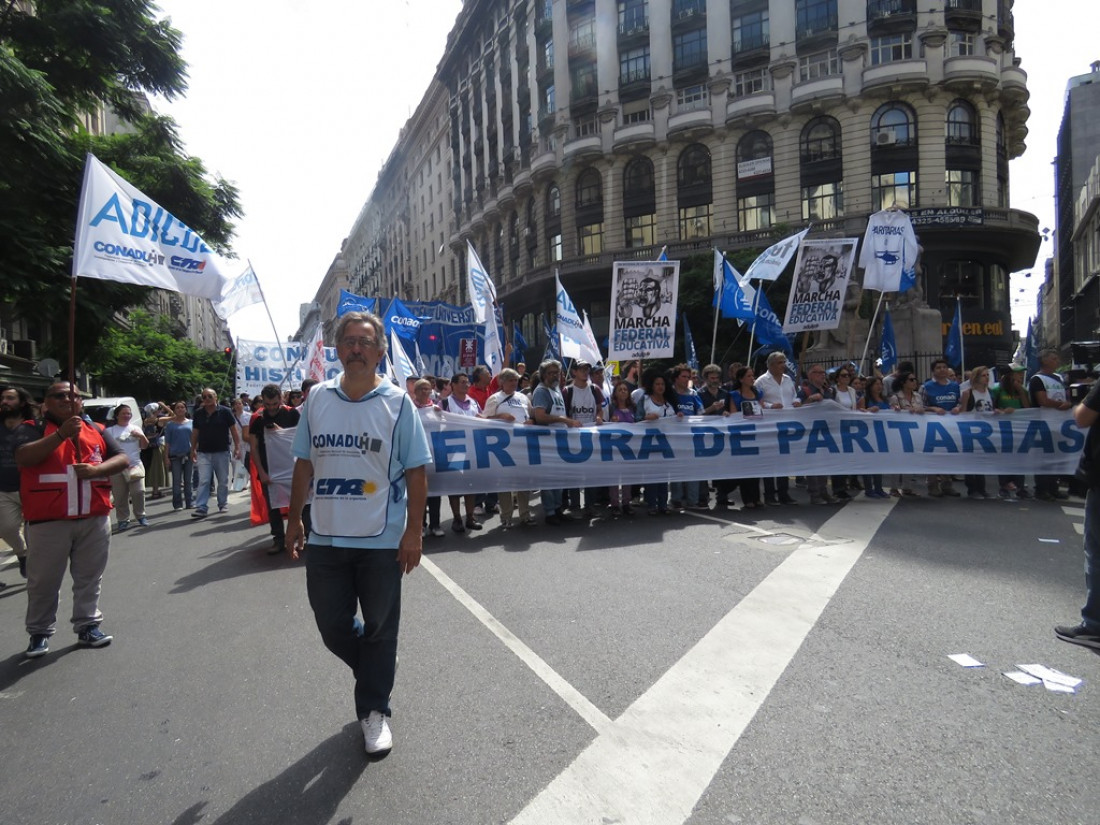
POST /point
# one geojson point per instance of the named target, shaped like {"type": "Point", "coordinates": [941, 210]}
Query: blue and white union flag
{"type": "Point", "coordinates": [124, 236]}
{"type": "Point", "coordinates": [243, 292]}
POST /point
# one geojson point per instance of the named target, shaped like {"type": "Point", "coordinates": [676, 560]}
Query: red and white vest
{"type": "Point", "coordinates": [51, 490]}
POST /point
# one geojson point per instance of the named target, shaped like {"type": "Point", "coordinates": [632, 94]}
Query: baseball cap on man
{"type": "Point", "coordinates": [581, 364]}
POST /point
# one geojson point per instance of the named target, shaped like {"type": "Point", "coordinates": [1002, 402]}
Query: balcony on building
{"type": "Point", "coordinates": [758, 103]}
{"type": "Point", "coordinates": [909, 75]}
{"type": "Point", "coordinates": [689, 72]}
{"type": "Point", "coordinates": [962, 14]}
{"type": "Point", "coordinates": [751, 50]}
{"type": "Point", "coordinates": [545, 160]}
{"type": "Point", "coordinates": [584, 97]}
{"type": "Point", "coordinates": [812, 93]}
{"type": "Point", "coordinates": [544, 17]}
{"type": "Point", "coordinates": [1014, 84]}
{"type": "Point", "coordinates": [634, 136]}
{"type": "Point", "coordinates": [633, 28]}
{"type": "Point", "coordinates": [582, 45]}
{"type": "Point", "coordinates": [971, 72]}
{"type": "Point", "coordinates": [1006, 25]}
{"type": "Point", "coordinates": [688, 13]}
{"type": "Point", "coordinates": [815, 31]}
{"type": "Point", "coordinates": [585, 139]}
{"type": "Point", "coordinates": [634, 84]}
{"type": "Point", "coordinates": [884, 16]}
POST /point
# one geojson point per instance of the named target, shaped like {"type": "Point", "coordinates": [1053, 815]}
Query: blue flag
{"type": "Point", "coordinates": [768, 328]}
{"type": "Point", "coordinates": [551, 332]}
{"type": "Point", "coordinates": [519, 343]}
{"type": "Point", "coordinates": [1031, 348]}
{"type": "Point", "coordinates": [689, 345]}
{"type": "Point", "coordinates": [953, 351]}
{"type": "Point", "coordinates": [400, 319]}
{"type": "Point", "coordinates": [888, 346]}
{"type": "Point", "coordinates": [350, 302]}
{"type": "Point", "coordinates": [735, 301]}
{"type": "Point", "coordinates": [664, 254]}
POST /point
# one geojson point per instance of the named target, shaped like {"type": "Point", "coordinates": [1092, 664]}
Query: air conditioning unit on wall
{"type": "Point", "coordinates": [885, 137]}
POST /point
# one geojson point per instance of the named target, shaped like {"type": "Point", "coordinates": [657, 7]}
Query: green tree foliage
{"type": "Point", "coordinates": [57, 64]}
{"type": "Point", "coordinates": [148, 361]}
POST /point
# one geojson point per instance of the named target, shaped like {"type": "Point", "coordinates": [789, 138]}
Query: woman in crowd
{"type": "Point", "coordinates": [906, 398]}
{"type": "Point", "coordinates": [152, 457]}
{"type": "Point", "coordinates": [977, 398]}
{"type": "Point", "coordinates": [422, 398]}
{"type": "Point", "coordinates": [621, 412]}
{"type": "Point", "coordinates": [873, 402]}
{"type": "Point", "coordinates": [177, 437]}
{"type": "Point", "coordinates": [655, 404]}
{"type": "Point", "coordinates": [743, 393]}
{"type": "Point", "coordinates": [1010, 394]}
{"type": "Point", "coordinates": [128, 487]}
{"type": "Point", "coordinates": [845, 395]}
{"type": "Point", "coordinates": [238, 470]}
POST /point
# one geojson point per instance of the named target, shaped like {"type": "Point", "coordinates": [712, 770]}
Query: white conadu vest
{"type": "Point", "coordinates": [351, 443]}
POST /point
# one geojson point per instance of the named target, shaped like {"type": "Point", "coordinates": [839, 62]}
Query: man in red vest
{"type": "Point", "coordinates": [65, 465]}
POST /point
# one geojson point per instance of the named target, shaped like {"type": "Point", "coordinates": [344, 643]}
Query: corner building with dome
{"type": "Point", "coordinates": [567, 134]}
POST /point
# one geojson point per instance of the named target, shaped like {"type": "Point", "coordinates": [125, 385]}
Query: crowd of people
{"type": "Point", "coordinates": [61, 475]}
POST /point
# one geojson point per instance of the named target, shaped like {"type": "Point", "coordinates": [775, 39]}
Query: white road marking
{"type": "Point", "coordinates": [653, 763]}
{"type": "Point", "coordinates": [1074, 511]}
{"type": "Point", "coordinates": [585, 709]}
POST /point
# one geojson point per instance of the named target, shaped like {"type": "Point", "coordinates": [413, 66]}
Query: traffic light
{"type": "Point", "coordinates": [228, 352]}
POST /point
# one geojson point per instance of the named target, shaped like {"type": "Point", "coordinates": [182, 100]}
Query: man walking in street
{"type": "Point", "coordinates": [362, 449]}
{"type": "Point", "coordinates": [15, 408]}
{"type": "Point", "coordinates": [65, 468]}
{"type": "Point", "coordinates": [1087, 631]}
{"type": "Point", "coordinates": [211, 430]}
{"type": "Point", "coordinates": [274, 416]}
{"type": "Point", "coordinates": [1047, 389]}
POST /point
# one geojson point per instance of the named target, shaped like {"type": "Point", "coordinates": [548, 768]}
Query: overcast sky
{"type": "Point", "coordinates": [299, 104]}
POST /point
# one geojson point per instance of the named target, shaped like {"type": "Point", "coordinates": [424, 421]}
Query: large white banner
{"type": "Point", "coordinates": [820, 282]}
{"type": "Point", "coordinates": [124, 236]}
{"type": "Point", "coordinates": [644, 295]}
{"type": "Point", "coordinates": [472, 455]}
{"type": "Point", "coordinates": [267, 362]}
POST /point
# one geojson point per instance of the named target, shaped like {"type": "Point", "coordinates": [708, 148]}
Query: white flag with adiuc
{"type": "Point", "coordinates": [124, 236]}
{"type": "Point", "coordinates": [240, 293]}
{"type": "Point", "coordinates": [480, 286]}
{"type": "Point", "coordinates": [574, 340]}
{"type": "Point", "coordinates": [403, 368]}
{"type": "Point", "coordinates": [769, 264]}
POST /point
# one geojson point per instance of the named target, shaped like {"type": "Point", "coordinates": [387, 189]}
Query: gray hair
{"type": "Point", "coordinates": [357, 317]}
{"type": "Point", "coordinates": [507, 373]}
{"type": "Point", "coordinates": [547, 364]}
{"type": "Point", "coordinates": [775, 356]}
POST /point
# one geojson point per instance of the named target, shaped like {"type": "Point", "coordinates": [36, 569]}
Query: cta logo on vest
{"type": "Point", "coordinates": [345, 487]}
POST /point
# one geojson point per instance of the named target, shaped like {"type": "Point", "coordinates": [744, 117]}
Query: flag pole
{"type": "Point", "coordinates": [870, 332]}
{"type": "Point", "coordinates": [719, 288]}
{"type": "Point", "coordinates": [752, 329]}
{"type": "Point", "coordinates": [263, 297]}
{"type": "Point", "coordinates": [962, 342]}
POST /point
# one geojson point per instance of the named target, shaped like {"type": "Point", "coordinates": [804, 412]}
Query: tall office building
{"type": "Point", "coordinates": [572, 133]}
{"type": "Point", "coordinates": [1078, 148]}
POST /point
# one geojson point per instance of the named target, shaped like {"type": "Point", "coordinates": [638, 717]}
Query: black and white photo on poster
{"type": "Point", "coordinates": [644, 297]}
{"type": "Point", "coordinates": [821, 276]}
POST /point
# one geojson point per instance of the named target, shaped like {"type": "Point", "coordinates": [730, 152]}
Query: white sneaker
{"type": "Point", "coordinates": [376, 735]}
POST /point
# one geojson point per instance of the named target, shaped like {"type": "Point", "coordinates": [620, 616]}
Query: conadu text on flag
{"type": "Point", "coordinates": [123, 235]}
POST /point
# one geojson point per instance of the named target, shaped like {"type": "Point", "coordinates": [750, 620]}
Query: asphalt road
{"type": "Point", "coordinates": [783, 666]}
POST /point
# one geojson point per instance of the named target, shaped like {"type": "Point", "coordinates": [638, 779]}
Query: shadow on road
{"type": "Point", "coordinates": [306, 793]}
{"type": "Point", "coordinates": [244, 559]}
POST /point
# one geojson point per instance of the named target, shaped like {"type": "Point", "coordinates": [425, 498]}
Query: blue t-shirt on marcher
{"type": "Point", "coordinates": [688, 403]}
{"type": "Point", "coordinates": [945, 396]}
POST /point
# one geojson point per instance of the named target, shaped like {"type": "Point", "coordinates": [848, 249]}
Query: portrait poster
{"type": "Point", "coordinates": [643, 321]}
{"type": "Point", "coordinates": [821, 276]}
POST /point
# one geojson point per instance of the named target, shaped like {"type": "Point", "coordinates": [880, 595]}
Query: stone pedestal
{"type": "Point", "coordinates": [916, 329]}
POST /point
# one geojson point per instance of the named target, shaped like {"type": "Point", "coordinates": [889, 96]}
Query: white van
{"type": "Point", "coordinates": [102, 410]}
